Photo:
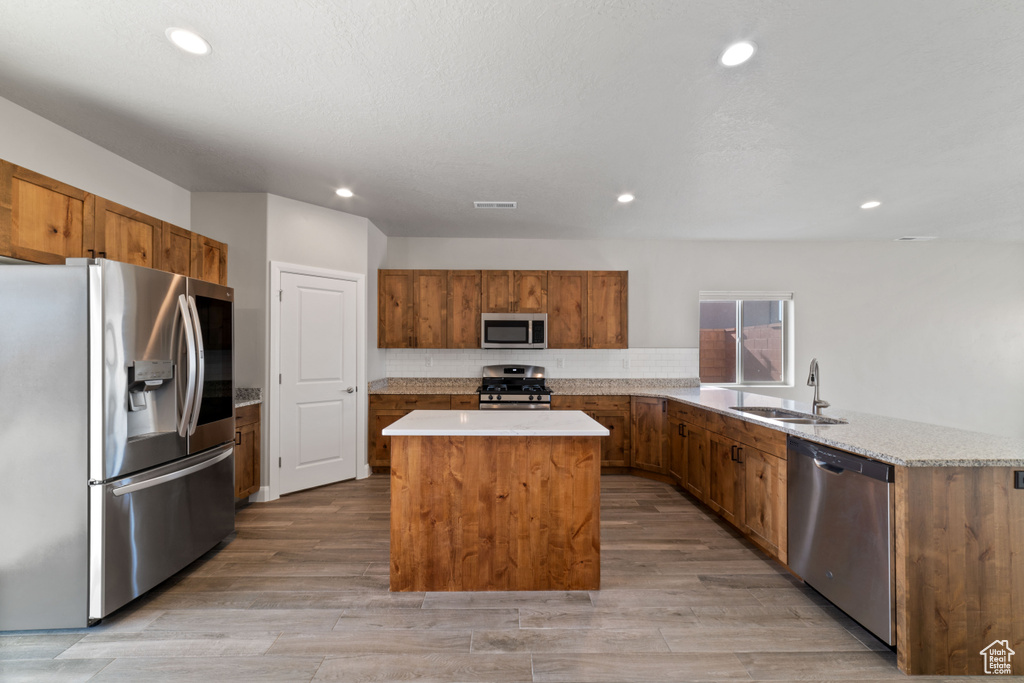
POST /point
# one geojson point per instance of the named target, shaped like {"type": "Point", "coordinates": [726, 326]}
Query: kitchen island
{"type": "Point", "coordinates": [495, 500]}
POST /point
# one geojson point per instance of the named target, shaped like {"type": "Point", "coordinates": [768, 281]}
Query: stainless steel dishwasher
{"type": "Point", "coordinates": [841, 533]}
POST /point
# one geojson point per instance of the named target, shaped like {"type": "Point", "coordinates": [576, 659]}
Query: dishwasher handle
{"type": "Point", "coordinates": [831, 469]}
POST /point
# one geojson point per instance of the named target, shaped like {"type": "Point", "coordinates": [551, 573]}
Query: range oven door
{"type": "Point", "coordinates": [211, 418]}
{"type": "Point", "coordinates": [146, 527]}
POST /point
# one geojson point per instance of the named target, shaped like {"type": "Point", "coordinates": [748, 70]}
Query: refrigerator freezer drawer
{"type": "Point", "coordinates": [147, 527]}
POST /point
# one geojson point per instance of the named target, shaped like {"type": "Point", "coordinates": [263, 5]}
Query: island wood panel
{"type": "Point", "coordinates": [41, 219]}
{"type": "Point", "coordinates": [959, 568]}
{"type": "Point", "coordinates": [475, 513]}
{"type": "Point", "coordinates": [567, 309]}
{"type": "Point", "coordinates": [464, 309]}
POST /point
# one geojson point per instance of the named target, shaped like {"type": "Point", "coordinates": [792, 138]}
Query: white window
{"type": "Point", "coordinates": [745, 338]}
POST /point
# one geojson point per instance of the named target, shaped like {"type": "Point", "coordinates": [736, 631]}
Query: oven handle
{"type": "Point", "coordinates": [190, 386]}
{"type": "Point", "coordinates": [200, 365]}
{"type": "Point", "coordinates": [171, 476]}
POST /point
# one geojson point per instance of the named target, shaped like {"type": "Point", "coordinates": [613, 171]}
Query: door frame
{"type": "Point", "coordinates": [277, 268]}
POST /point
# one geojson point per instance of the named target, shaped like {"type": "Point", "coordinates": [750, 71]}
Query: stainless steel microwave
{"type": "Point", "coordinates": [514, 331]}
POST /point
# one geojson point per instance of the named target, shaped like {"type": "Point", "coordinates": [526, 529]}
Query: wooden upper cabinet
{"type": "Point", "coordinates": [396, 326]}
{"type": "Point", "coordinates": [430, 308]}
{"type": "Point", "coordinates": [209, 260]}
{"type": "Point", "coordinates": [567, 309]}
{"type": "Point", "coordinates": [126, 235]}
{"type": "Point", "coordinates": [41, 219]}
{"type": "Point", "coordinates": [649, 434]}
{"type": "Point", "coordinates": [530, 291]}
{"type": "Point", "coordinates": [497, 291]}
{"type": "Point", "coordinates": [176, 250]}
{"type": "Point", "coordinates": [515, 291]}
{"type": "Point", "coordinates": [464, 309]}
{"type": "Point", "coordinates": [607, 309]}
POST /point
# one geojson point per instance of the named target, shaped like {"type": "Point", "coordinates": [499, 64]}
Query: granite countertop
{"type": "Point", "coordinates": [247, 396]}
{"type": "Point", "coordinates": [496, 423]}
{"type": "Point", "coordinates": [899, 442]}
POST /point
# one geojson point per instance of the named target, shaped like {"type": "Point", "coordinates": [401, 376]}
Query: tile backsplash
{"type": "Point", "coordinates": [632, 363]}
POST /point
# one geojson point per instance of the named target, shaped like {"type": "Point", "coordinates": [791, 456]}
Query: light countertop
{"type": "Point", "coordinates": [496, 423]}
{"type": "Point", "coordinates": [900, 442]}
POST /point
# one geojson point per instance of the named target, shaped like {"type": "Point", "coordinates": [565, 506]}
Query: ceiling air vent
{"type": "Point", "coordinates": [913, 239]}
{"type": "Point", "coordinates": [494, 205]}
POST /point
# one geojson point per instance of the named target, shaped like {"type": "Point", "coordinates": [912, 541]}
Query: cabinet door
{"type": "Point", "coordinates": [127, 235]}
{"type": "Point", "coordinates": [608, 315]}
{"type": "Point", "coordinates": [567, 309]}
{"type": "Point", "coordinates": [430, 308]}
{"type": "Point", "coordinates": [696, 441]}
{"type": "Point", "coordinates": [43, 220]}
{"type": "Point", "coordinates": [497, 291]}
{"type": "Point", "coordinates": [649, 438]}
{"type": "Point", "coordinates": [209, 260]}
{"type": "Point", "coordinates": [395, 325]}
{"type": "Point", "coordinates": [615, 446]}
{"type": "Point", "coordinates": [247, 460]}
{"type": "Point", "coordinates": [677, 451]}
{"type": "Point", "coordinates": [764, 511]}
{"type": "Point", "coordinates": [725, 479]}
{"type": "Point", "coordinates": [176, 250]}
{"type": "Point", "coordinates": [464, 298]}
{"type": "Point", "coordinates": [530, 291]}
{"type": "Point", "coordinates": [380, 445]}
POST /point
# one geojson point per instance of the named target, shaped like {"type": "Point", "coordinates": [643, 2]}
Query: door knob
{"type": "Point", "coordinates": [350, 389]}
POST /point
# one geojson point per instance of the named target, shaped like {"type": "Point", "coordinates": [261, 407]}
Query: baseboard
{"type": "Point", "coordinates": [261, 496]}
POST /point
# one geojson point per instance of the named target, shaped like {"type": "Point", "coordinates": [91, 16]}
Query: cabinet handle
{"type": "Point", "coordinates": [92, 253]}
{"type": "Point", "coordinates": [238, 438]}
{"type": "Point", "coordinates": [103, 254]}
{"type": "Point", "coordinates": [739, 455]}
{"type": "Point", "coordinates": [732, 453]}
{"type": "Point", "coordinates": [682, 433]}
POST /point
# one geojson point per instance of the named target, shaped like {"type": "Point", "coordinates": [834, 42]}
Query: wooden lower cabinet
{"type": "Point", "coordinates": [695, 440]}
{"type": "Point", "coordinates": [677, 451]}
{"type": "Point", "coordinates": [725, 479]}
{"type": "Point", "coordinates": [612, 412]}
{"type": "Point", "coordinates": [649, 434]}
{"type": "Point", "coordinates": [247, 451]}
{"type": "Point", "coordinates": [386, 409]}
{"type": "Point", "coordinates": [765, 501]}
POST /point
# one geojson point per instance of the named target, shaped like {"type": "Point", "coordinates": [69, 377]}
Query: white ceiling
{"type": "Point", "coordinates": [423, 106]}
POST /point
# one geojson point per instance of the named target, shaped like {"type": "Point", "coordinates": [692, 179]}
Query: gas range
{"type": "Point", "coordinates": [514, 387]}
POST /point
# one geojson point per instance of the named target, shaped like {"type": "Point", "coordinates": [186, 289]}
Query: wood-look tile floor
{"type": "Point", "coordinates": [300, 593]}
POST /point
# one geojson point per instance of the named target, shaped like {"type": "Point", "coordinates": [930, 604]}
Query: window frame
{"type": "Point", "coordinates": [786, 312]}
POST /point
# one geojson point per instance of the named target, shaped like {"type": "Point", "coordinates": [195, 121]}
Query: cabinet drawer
{"type": "Point", "coordinates": [247, 415]}
{"type": "Point", "coordinates": [465, 402]}
{"type": "Point", "coordinates": [605, 402]}
{"type": "Point", "coordinates": [763, 438]}
{"type": "Point", "coordinates": [559, 402]}
{"type": "Point", "coordinates": [410, 401]}
{"type": "Point", "coordinates": [684, 412]}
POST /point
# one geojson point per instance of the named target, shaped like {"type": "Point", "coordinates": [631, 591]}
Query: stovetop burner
{"type": "Point", "coordinates": [514, 387]}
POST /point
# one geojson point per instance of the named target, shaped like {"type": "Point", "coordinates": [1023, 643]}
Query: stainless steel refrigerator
{"type": "Point", "coordinates": [116, 435]}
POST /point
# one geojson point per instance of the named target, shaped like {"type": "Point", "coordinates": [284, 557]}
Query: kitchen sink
{"type": "Point", "coordinates": [790, 416]}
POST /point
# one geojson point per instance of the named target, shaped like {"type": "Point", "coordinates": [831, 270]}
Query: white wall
{"type": "Point", "coordinates": [925, 331]}
{"type": "Point", "coordinates": [377, 250]}
{"type": "Point", "coordinates": [314, 236]}
{"type": "Point", "coordinates": [240, 220]}
{"type": "Point", "coordinates": [31, 141]}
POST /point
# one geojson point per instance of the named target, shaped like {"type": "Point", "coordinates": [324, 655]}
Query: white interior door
{"type": "Point", "coordinates": [318, 381]}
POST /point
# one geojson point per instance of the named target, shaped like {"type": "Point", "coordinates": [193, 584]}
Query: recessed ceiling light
{"type": "Point", "coordinates": [870, 205]}
{"type": "Point", "coordinates": [343, 192]}
{"type": "Point", "coordinates": [737, 53]}
{"type": "Point", "coordinates": [189, 41]}
{"type": "Point", "coordinates": [626, 198]}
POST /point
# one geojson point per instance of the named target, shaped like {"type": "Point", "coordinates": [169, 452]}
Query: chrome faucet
{"type": "Point", "coordinates": [812, 381]}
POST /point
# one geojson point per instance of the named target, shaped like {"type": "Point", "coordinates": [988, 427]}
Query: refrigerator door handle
{"type": "Point", "coordinates": [200, 365]}
{"type": "Point", "coordinates": [190, 346]}
{"type": "Point", "coordinates": [164, 478]}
